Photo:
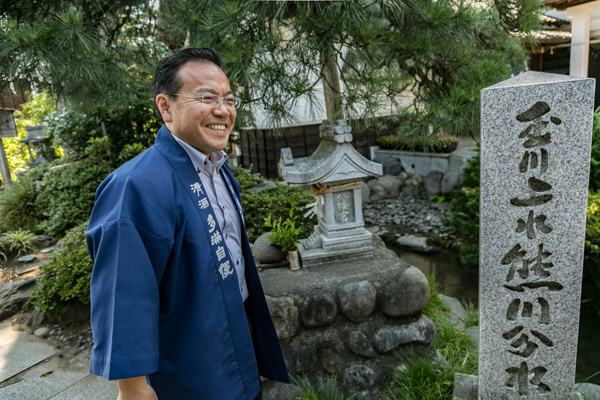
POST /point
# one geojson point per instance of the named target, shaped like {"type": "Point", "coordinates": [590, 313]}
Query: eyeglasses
{"type": "Point", "coordinates": [214, 101]}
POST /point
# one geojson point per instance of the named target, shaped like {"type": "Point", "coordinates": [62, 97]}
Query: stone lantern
{"type": "Point", "coordinates": [38, 141]}
{"type": "Point", "coordinates": [334, 171]}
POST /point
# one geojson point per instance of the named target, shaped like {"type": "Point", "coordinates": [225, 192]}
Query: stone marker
{"type": "Point", "coordinates": [535, 157]}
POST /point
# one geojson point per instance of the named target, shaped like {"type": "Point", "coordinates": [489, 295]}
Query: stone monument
{"type": "Point", "coordinates": [334, 171]}
{"type": "Point", "coordinates": [535, 157]}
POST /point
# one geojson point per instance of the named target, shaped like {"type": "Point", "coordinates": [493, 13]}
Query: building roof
{"type": "Point", "coordinates": [564, 4]}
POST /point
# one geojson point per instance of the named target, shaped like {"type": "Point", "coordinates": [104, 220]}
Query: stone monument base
{"type": "Point", "coordinates": [466, 387]}
{"type": "Point", "coordinates": [326, 248]}
{"type": "Point", "coordinates": [347, 321]}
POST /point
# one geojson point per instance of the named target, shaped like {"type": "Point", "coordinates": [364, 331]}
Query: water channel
{"type": "Point", "coordinates": [464, 285]}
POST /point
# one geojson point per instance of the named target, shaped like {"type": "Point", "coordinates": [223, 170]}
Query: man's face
{"type": "Point", "coordinates": [204, 128]}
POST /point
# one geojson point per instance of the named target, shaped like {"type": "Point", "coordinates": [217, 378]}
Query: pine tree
{"type": "Point", "coordinates": [92, 54]}
{"type": "Point", "coordinates": [443, 52]}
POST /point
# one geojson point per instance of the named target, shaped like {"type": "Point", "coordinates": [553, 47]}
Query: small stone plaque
{"type": "Point", "coordinates": [535, 157]}
{"type": "Point", "coordinates": [343, 207]}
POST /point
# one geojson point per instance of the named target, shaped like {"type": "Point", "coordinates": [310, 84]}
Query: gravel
{"type": "Point", "coordinates": [407, 216]}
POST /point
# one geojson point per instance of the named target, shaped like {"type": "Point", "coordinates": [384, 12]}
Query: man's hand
{"type": "Point", "coordinates": [135, 389]}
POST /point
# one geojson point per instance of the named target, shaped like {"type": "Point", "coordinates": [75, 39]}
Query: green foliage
{"type": "Point", "coordinates": [592, 238]}
{"type": "Point", "coordinates": [129, 151]}
{"type": "Point", "coordinates": [276, 202]}
{"type": "Point", "coordinates": [19, 242]}
{"type": "Point", "coordinates": [284, 232]}
{"type": "Point", "coordinates": [34, 111]}
{"type": "Point", "coordinates": [441, 142]}
{"type": "Point", "coordinates": [443, 52]}
{"type": "Point", "coordinates": [133, 125]}
{"type": "Point", "coordinates": [17, 205]}
{"type": "Point", "coordinates": [423, 379]}
{"type": "Point", "coordinates": [65, 275]}
{"type": "Point", "coordinates": [66, 195]}
{"type": "Point", "coordinates": [93, 55]}
{"type": "Point", "coordinates": [595, 159]}
{"type": "Point", "coordinates": [464, 214]}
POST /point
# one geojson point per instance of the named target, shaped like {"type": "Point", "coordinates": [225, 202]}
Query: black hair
{"type": "Point", "coordinates": [165, 77]}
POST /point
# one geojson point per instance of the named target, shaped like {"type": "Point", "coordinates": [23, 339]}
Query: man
{"type": "Point", "coordinates": [178, 311]}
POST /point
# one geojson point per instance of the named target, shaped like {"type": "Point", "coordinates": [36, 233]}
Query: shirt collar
{"type": "Point", "coordinates": [216, 160]}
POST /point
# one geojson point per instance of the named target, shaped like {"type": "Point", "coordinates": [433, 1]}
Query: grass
{"type": "Point", "coordinates": [423, 379]}
{"type": "Point", "coordinates": [326, 390]}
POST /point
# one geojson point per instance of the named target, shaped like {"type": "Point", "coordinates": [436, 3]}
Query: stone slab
{"type": "Point", "coordinates": [27, 268]}
{"type": "Point", "coordinates": [384, 265]}
{"type": "Point", "coordinates": [91, 387]}
{"type": "Point", "coordinates": [535, 155]}
{"type": "Point", "coordinates": [21, 355]}
{"type": "Point", "coordinates": [46, 380]}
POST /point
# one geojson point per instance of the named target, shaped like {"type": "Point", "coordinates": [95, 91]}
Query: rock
{"type": "Point", "coordinates": [318, 309]}
{"type": "Point", "coordinates": [265, 252]}
{"type": "Point", "coordinates": [42, 332]}
{"type": "Point", "coordinates": [473, 332]}
{"type": "Point", "coordinates": [407, 296]}
{"type": "Point", "coordinates": [13, 296]}
{"type": "Point", "coordinates": [365, 193]}
{"type": "Point", "coordinates": [263, 187]}
{"type": "Point", "coordinates": [385, 187]}
{"type": "Point", "coordinates": [459, 314]}
{"type": "Point", "coordinates": [377, 192]}
{"type": "Point", "coordinates": [414, 243]}
{"type": "Point", "coordinates": [433, 182]}
{"type": "Point", "coordinates": [285, 316]}
{"type": "Point", "coordinates": [589, 390]}
{"type": "Point", "coordinates": [27, 258]}
{"type": "Point", "coordinates": [465, 387]}
{"type": "Point", "coordinates": [358, 377]}
{"type": "Point", "coordinates": [33, 319]}
{"type": "Point", "coordinates": [389, 337]}
{"type": "Point", "coordinates": [454, 175]}
{"type": "Point", "coordinates": [47, 250]}
{"type": "Point", "coordinates": [357, 300]}
{"type": "Point", "coordinates": [305, 359]}
{"type": "Point", "coordinates": [280, 391]}
{"type": "Point", "coordinates": [412, 186]}
{"type": "Point", "coordinates": [43, 241]}
{"type": "Point", "coordinates": [392, 165]}
{"type": "Point", "coordinates": [330, 352]}
{"type": "Point", "coordinates": [359, 344]}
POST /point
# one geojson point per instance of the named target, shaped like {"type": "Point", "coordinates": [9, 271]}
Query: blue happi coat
{"type": "Point", "coordinates": [165, 303]}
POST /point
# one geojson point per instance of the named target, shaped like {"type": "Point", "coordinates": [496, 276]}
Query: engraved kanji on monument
{"type": "Point", "coordinates": [334, 171]}
{"type": "Point", "coordinates": [535, 157]}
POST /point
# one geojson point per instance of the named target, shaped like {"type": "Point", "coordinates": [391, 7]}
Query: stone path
{"type": "Point", "coordinates": [32, 369]}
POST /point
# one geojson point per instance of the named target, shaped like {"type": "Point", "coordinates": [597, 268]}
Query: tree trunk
{"type": "Point", "coordinates": [331, 88]}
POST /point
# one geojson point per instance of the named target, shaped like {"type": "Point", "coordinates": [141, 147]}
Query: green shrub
{"type": "Point", "coordinates": [595, 159]}
{"type": "Point", "coordinates": [137, 123]}
{"type": "Point", "coordinates": [66, 196]}
{"type": "Point", "coordinates": [19, 242]}
{"type": "Point", "coordinates": [464, 215]}
{"type": "Point", "coordinates": [275, 202]}
{"type": "Point", "coordinates": [441, 142]}
{"type": "Point", "coordinates": [65, 275]}
{"type": "Point", "coordinates": [17, 205]}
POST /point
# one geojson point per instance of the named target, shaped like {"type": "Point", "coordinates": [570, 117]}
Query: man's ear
{"type": "Point", "coordinates": [163, 103]}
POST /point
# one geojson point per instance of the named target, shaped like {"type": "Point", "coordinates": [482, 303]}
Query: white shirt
{"type": "Point", "coordinates": [222, 204]}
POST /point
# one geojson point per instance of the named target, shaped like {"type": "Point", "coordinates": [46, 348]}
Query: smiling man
{"type": "Point", "coordinates": [178, 311]}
